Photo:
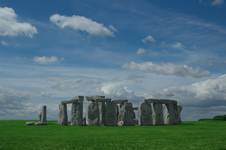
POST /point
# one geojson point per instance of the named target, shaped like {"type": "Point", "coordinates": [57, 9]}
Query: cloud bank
{"type": "Point", "coordinates": [166, 69]}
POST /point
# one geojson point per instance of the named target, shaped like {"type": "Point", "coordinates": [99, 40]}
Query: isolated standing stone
{"type": "Point", "coordinates": [40, 116]}
{"type": "Point", "coordinates": [146, 114]}
{"type": "Point", "coordinates": [43, 115]}
{"type": "Point", "coordinates": [63, 118]}
{"type": "Point", "coordinates": [179, 110]}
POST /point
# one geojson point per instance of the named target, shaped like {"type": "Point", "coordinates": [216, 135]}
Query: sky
{"type": "Point", "coordinates": [54, 50]}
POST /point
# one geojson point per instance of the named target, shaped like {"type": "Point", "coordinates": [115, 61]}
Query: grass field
{"type": "Point", "coordinates": [203, 135]}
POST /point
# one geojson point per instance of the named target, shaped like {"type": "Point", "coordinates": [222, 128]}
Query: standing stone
{"type": "Point", "coordinates": [158, 113]}
{"type": "Point", "coordinates": [121, 114]}
{"type": "Point", "coordinates": [63, 118]}
{"type": "Point", "coordinates": [126, 114]}
{"type": "Point", "coordinates": [172, 110]}
{"type": "Point", "coordinates": [110, 114]}
{"type": "Point", "coordinates": [129, 117]}
{"type": "Point", "coordinates": [77, 113]}
{"type": "Point", "coordinates": [40, 116]}
{"type": "Point", "coordinates": [93, 114]}
{"type": "Point", "coordinates": [166, 115]}
{"type": "Point", "coordinates": [146, 114]}
{"type": "Point", "coordinates": [179, 110]}
{"type": "Point", "coordinates": [101, 107]}
{"type": "Point", "coordinates": [43, 115]}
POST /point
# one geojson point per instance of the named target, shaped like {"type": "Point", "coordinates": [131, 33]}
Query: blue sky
{"type": "Point", "coordinates": [51, 51]}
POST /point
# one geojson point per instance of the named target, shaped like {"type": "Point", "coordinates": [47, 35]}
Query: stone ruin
{"type": "Point", "coordinates": [42, 117]}
{"type": "Point", "coordinates": [159, 112]}
{"type": "Point", "coordinates": [76, 111]}
{"type": "Point", "coordinates": [104, 111]}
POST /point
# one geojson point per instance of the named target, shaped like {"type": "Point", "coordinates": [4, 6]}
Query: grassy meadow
{"type": "Point", "coordinates": [202, 135]}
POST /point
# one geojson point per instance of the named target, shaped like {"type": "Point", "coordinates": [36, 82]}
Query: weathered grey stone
{"type": "Point", "coordinates": [77, 113]}
{"type": "Point", "coordinates": [165, 111]}
{"type": "Point", "coordinates": [95, 98]}
{"type": "Point", "coordinates": [63, 118]}
{"type": "Point", "coordinates": [146, 114]}
{"type": "Point", "coordinates": [43, 115]}
{"type": "Point", "coordinates": [158, 113]}
{"type": "Point", "coordinates": [129, 115]}
{"type": "Point", "coordinates": [179, 110]}
{"type": "Point", "coordinates": [161, 101]}
{"type": "Point", "coordinates": [172, 110]}
{"type": "Point", "coordinates": [30, 123]}
{"type": "Point", "coordinates": [40, 116]}
{"type": "Point", "coordinates": [126, 114]}
{"type": "Point", "coordinates": [120, 101]}
{"type": "Point", "coordinates": [38, 123]}
{"type": "Point", "coordinates": [93, 114]}
{"type": "Point", "coordinates": [166, 115]}
{"type": "Point", "coordinates": [121, 114]}
{"type": "Point", "coordinates": [110, 114]}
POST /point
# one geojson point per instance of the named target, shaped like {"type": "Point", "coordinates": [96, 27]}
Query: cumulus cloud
{"type": "Point", "coordinates": [141, 51]}
{"type": "Point", "coordinates": [178, 45]}
{"type": "Point", "coordinates": [45, 60]}
{"type": "Point", "coordinates": [119, 90]}
{"type": "Point", "coordinates": [217, 2]}
{"type": "Point", "coordinates": [167, 69]}
{"type": "Point", "coordinates": [148, 39]}
{"type": "Point", "coordinates": [203, 99]}
{"type": "Point", "coordinates": [82, 23]}
{"type": "Point", "coordinates": [11, 26]}
{"type": "Point", "coordinates": [210, 92]}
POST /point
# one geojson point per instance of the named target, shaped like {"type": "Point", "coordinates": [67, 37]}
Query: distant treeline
{"type": "Point", "coordinates": [219, 117]}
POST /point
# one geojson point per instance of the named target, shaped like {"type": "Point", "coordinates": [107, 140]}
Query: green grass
{"type": "Point", "coordinates": [203, 135]}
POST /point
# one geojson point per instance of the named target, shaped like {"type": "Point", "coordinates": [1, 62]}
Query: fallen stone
{"type": "Point", "coordinates": [30, 123]}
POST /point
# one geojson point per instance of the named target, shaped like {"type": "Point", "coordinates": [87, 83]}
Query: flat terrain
{"type": "Point", "coordinates": [203, 135]}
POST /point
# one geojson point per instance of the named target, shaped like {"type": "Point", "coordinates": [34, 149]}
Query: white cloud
{"type": "Point", "coordinates": [166, 69]}
{"type": "Point", "coordinates": [84, 24]}
{"type": "Point", "coordinates": [217, 2]}
{"type": "Point", "coordinates": [119, 90]}
{"type": "Point", "coordinates": [207, 93]}
{"type": "Point", "coordinates": [149, 39]}
{"type": "Point", "coordinates": [45, 60]}
{"type": "Point", "coordinates": [178, 45]}
{"type": "Point", "coordinates": [10, 26]}
{"type": "Point", "coordinates": [141, 51]}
